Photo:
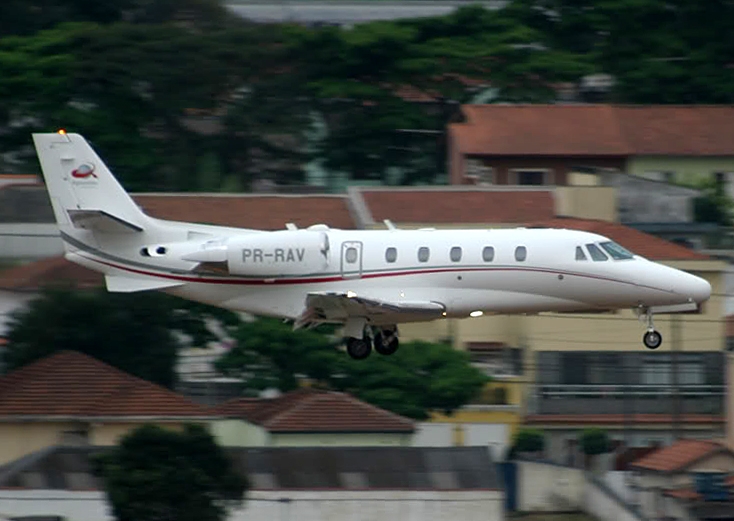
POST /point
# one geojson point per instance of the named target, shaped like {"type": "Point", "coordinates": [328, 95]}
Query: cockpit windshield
{"type": "Point", "coordinates": [616, 251]}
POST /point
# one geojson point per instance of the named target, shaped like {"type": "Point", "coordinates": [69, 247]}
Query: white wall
{"type": "Point", "coordinates": [544, 487]}
{"type": "Point", "coordinates": [298, 506]}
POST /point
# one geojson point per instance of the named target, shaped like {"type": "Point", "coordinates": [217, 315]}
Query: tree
{"type": "Point", "coordinates": [135, 333]}
{"type": "Point", "coordinates": [156, 473]}
{"type": "Point", "coordinates": [594, 441]}
{"type": "Point", "coordinates": [421, 377]}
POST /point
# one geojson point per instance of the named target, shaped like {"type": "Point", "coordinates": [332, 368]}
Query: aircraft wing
{"type": "Point", "coordinates": [338, 307]}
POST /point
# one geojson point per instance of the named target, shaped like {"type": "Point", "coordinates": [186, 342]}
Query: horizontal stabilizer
{"type": "Point", "coordinates": [118, 284]}
{"type": "Point", "coordinates": [102, 221]}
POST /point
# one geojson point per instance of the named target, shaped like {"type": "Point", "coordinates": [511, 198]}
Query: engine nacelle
{"type": "Point", "coordinates": [279, 253]}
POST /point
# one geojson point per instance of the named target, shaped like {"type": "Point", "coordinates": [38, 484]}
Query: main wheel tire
{"type": "Point", "coordinates": [386, 344]}
{"type": "Point", "coordinates": [358, 348]}
{"type": "Point", "coordinates": [652, 339]}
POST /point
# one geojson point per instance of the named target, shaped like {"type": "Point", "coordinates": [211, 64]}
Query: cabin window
{"type": "Point", "coordinates": [351, 255]}
{"type": "Point", "coordinates": [596, 253]}
{"type": "Point", "coordinates": [616, 251]}
{"type": "Point", "coordinates": [521, 253]}
{"type": "Point", "coordinates": [391, 254]}
{"type": "Point", "coordinates": [455, 254]}
{"type": "Point", "coordinates": [580, 255]}
{"type": "Point", "coordinates": [423, 254]}
{"type": "Point", "coordinates": [488, 253]}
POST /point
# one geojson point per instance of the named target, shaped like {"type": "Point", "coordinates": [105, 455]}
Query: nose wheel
{"type": "Point", "coordinates": [652, 338]}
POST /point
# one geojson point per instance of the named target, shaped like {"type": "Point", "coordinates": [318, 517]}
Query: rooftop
{"type": "Point", "coordinates": [641, 243]}
{"type": "Point", "coordinates": [680, 455]}
{"type": "Point", "coordinates": [595, 130]}
{"type": "Point", "coordinates": [310, 410]}
{"type": "Point", "coordinates": [444, 205]}
{"type": "Point", "coordinates": [71, 384]}
{"type": "Point", "coordinates": [265, 212]}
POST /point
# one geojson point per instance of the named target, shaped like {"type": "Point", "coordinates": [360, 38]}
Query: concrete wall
{"type": "Point", "coordinates": [544, 487]}
{"type": "Point", "coordinates": [643, 200]}
{"type": "Point", "coordinates": [730, 399]}
{"type": "Point", "coordinates": [686, 169]}
{"type": "Point", "coordinates": [29, 241]}
{"type": "Point", "coordinates": [486, 505]}
{"type": "Point", "coordinates": [340, 439]}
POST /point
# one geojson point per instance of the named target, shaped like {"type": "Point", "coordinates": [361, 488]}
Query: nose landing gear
{"type": "Point", "coordinates": [652, 338]}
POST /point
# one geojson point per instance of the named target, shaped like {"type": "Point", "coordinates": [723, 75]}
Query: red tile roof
{"type": "Point", "coordinates": [595, 130]}
{"type": "Point", "coordinates": [71, 384]}
{"type": "Point", "coordinates": [310, 410]}
{"type": "Point", "coordinates": [640, 243]}
{"type": "Point", "coordinates": [265, 212]}
{"type": "Point", "coordinates": [54, 270]}
{"type": "Point", "coordinates": [679, 456]}
{"type": "Point", "coordinates": [618, 419]}
{"type": "Point", "coordinates": [432, 206]}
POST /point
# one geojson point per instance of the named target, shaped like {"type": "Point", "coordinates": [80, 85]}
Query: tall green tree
{"type": "Point", "coordinates": [156, 473]}
{"type": "Point", "coordinates": [136, 333]}
{"type": "Point", "coordinates": [421, 377]}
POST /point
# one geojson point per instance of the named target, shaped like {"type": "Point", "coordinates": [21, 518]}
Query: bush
{"type": "Point", "coordinates": [594, 441]}
{"type": "Point", "coordinates": [529, 440]}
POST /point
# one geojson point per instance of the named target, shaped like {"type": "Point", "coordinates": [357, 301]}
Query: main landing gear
{"type": "Point", "coordinates": [384, 340]}
{"type": "Point", "coordinates": [652, 338]}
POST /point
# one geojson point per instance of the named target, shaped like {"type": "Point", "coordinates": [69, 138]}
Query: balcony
{"type": "Point", "coordinates": [631, 399]}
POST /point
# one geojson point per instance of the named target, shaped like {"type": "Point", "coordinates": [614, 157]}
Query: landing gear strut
{"type": "Point", "coordinates": [652, 338]}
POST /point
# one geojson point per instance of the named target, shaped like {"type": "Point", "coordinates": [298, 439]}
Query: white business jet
{"type": "Point", "coordinates": [368, 280]}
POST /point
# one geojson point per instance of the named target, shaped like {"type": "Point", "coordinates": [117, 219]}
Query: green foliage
{"type": "Point", "coordinates": [419, 378]}
{"type": "Point", "coordinates": [157, 473]}
{"type": "Point", "coordinates": [594, 441]}
{"type": "Point", "coordinates": [528, 440]}
{"type": "Point", "coordinates": [135, 333]}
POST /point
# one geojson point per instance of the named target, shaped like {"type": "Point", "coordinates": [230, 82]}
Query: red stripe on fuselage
{"type": "Point", "coordinates": [336, 278]}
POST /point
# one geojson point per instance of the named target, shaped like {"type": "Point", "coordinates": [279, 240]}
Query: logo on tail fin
{"type": "Point", "coordinates": [84, 171]}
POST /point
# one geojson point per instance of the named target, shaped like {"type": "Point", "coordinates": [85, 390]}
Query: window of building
{"type": "Point", "coordinates": [580, 255]}
{"type": "Point", "coordinates": [423, 254]}
{"type": "Point", "coordinates": [488, 253]}
{"type": "Point", "coordinates": [596, 253]}
{"type": "Point", "coordinates": [455, 254]}
{"type": "Point", "coordinates": [530, 177]}
{"type": "Point", "coordinates": [521, 253]}
{"type": "Point", "coordinates": [351, 255]}
{"type": "Point", "coordinates": [616, 251]}
{"type": "Point", "coordinates": [391, 254]}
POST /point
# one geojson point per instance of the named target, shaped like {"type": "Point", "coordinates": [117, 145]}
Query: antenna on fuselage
{"type": "Point", "coordinates": [291, 226]}
{"type": "Point", "coordinates": [389, 225]}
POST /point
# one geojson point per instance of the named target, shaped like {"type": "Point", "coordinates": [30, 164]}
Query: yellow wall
{"type": "Point", "coordinates": [686, 169]}
{"type": "Point", "coordinates": [488, 414]}
{"type": "Point", "coordinates": [20, 438]}
{"type": "Point", "coordinates": [587, 202]}
{"type": "Point", "coordinates": [238, 433]}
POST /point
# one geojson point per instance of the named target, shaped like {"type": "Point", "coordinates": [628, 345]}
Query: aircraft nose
{"type": "Point", "coordinates": [697, 288]}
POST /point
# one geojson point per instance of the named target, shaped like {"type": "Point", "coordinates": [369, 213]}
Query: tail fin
{"type": "Point", "coordinates": [84, 193]}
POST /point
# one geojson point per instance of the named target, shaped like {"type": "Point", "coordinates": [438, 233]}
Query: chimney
{"type": "Point", "coordinates": [729, 399]}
